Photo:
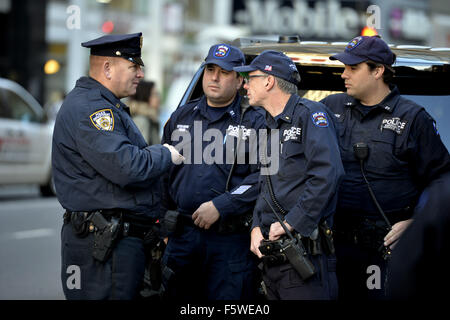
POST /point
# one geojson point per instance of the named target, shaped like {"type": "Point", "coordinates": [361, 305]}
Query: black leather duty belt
{"type": "Point", "coordinates": [131, 226]}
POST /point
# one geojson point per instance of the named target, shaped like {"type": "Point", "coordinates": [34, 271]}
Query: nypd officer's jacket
{"type": "Point", "coordinates": [405, 153]}
{"type": "Point", "coordinates": [203, 177]}
{"type": "Point", "coordinates": [310, 168]}
{"type": "Point", "coordinates": [100, 159]}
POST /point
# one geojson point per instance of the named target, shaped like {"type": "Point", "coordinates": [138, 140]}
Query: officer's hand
{"type": "Point", "coordinates": [177, 158]}
{"type": "Point", "coordinates": [276, 230]}
{"type": "Point", "coordinates": [396, 232]}
{"type": "Point", "coordinates": [205, 215]}
{"type": "Point", "coordinates": [255, 241]}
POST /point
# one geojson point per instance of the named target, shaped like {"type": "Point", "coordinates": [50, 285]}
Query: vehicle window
{"type": "Point", "coordinates": [19, 109]}
{"type": "Point", "coordinates": [316, 95]}
{"type": "Point", "coordinates": [438, 108]}
{"type": "Point", "coordinates": [5, 110]}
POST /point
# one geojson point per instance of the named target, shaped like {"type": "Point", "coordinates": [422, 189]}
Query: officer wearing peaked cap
{"type": "Point", "coordinates": [404, 154]}
{"type": "Point", "coordinates": [127, 46]}
{"type": "Point", "coordinates": [106, 176]}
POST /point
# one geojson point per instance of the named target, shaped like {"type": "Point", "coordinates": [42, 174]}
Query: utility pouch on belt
{"type": "Point", "coordinates": [80, 223]}
{"type": "Point", "coordinates": [170, 220]}
{"type": "Point", "coordinates": [327, 238]}
{"type": "Point", "coordinates": [105, 235]}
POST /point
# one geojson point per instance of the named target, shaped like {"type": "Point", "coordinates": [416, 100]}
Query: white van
{"type": "Point", "coordinates": [25, 139]}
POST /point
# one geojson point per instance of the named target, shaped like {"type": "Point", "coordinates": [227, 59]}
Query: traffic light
{"type": "Point", "coordinates": [108, 27]}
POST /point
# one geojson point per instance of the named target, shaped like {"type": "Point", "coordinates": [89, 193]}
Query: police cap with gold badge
{"type": "Point", "coordinates": [127, 46]}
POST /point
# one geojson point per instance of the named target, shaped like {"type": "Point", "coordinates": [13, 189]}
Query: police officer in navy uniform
{"type": "Point", "coordinates": [106, 176]}
{"type": "Point", "coordinates": [304, 188]}
{"type": "Point", "coordinates": [403, 154]}
{"type": "Point", "coordinates": [214, 191]}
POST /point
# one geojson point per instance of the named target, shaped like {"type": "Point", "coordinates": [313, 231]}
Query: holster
{"type": "Point", "coordinates": [152, 286]}
{"type": "Point", "coordinates": [320, 241]}
{"type": "Point", "coordinates": [171, 223]}
{"type": "Point", "coordinates": [105, 235]}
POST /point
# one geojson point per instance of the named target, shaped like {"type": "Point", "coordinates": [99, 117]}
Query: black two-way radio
{"type": "Point", "coordinates": [293, 248]}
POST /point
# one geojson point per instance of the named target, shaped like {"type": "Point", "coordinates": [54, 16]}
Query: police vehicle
{"type": "Point", "coordinates": [25, 139]}
{"type": "Point", "coordinates": [422, 73]}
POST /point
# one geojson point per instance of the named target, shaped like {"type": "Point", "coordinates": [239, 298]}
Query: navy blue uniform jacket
{"type": "Point", "coordinates": [405, 153]}
{"type": "Point", "coordinates": [100, 159]}
{"type": "Point", "coordinates": [203, 178]}
{"type": "Point", "coordinates": [310, 168]}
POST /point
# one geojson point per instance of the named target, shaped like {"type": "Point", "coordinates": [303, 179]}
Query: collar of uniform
{"type": "Point", "coordinates": [91, 83]}
{"type": "Point", "coordinates": [287, 114]}
{"type": "Point", "coordinates": [234, 109]}
{"type": "Point", "coordinates": [388, 104]}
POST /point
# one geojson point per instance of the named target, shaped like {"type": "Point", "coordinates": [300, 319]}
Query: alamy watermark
{"type": "Point", "coordinates": [74, 279]}
{"type": "Point", "coordinates": [73, 21]}
{"type": "Point", "coordinates": [213, 147]}
{"type": "Point", "coordinates": [374, 280]}
{"type": "Point", "coordinates": [374, 18]}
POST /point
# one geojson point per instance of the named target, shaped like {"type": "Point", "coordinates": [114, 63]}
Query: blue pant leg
{"type": "Point", "coordinates": [127, 264]}
{"type": "Point", "coordinates": [182, 264]}
{"type": "Point", "coordinates": [231, 267]}
{"type": "Point", "coordinates": [284, 283]}
{"type": "Point", "coordinates": [83, 278]}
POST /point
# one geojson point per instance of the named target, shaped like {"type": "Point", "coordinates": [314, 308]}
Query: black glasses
{"type": "Point", "coordinates": [247, 79]}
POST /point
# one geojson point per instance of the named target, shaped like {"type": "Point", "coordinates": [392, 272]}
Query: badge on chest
{"type": "Point", "coordinates": [292, 134]}
{"type": "Point", "coordinates": [394, 124]}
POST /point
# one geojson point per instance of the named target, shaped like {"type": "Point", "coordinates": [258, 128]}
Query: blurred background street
{"type": "Point", "coordinates": [41, 59]}
{"type": "Point", "coordinates": [29, 244]}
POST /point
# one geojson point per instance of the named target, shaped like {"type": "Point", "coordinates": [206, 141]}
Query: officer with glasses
{"type": "Point", "coordinates": [298, 199]}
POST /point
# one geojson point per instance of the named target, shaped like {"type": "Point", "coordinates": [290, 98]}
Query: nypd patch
{"type": "Point", "coordinates": [353, 43]}
{"type": "Point", "coordinates": [103, 119]}
{"type": "Point", "coordinates": [320, 119]}
{"type": "Point", "coordinates": [221, 51]}
{"type": "Point", "coordinates": [435, 128]}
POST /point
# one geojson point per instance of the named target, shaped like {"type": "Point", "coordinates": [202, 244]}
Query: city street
{"type": "Point", "coordinates": [29, 245]}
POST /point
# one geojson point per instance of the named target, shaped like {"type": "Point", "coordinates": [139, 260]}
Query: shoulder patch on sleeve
{"type": "Point", "coordinates": [320, 119]}
{"type": "Point", "coordinates": [103, 119]}
{"type": "Point", "coordinates": [435, 128]}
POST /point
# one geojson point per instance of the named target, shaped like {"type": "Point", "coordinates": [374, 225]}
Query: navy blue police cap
{"type": "Point", "coordinates": [127, 46]}
{"type": "Point", "coordinates": [225, 56]}
{"type": "Point", "coordinates": [273, 62]}
{"type": "Point", "coordinates": [365, 48]}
